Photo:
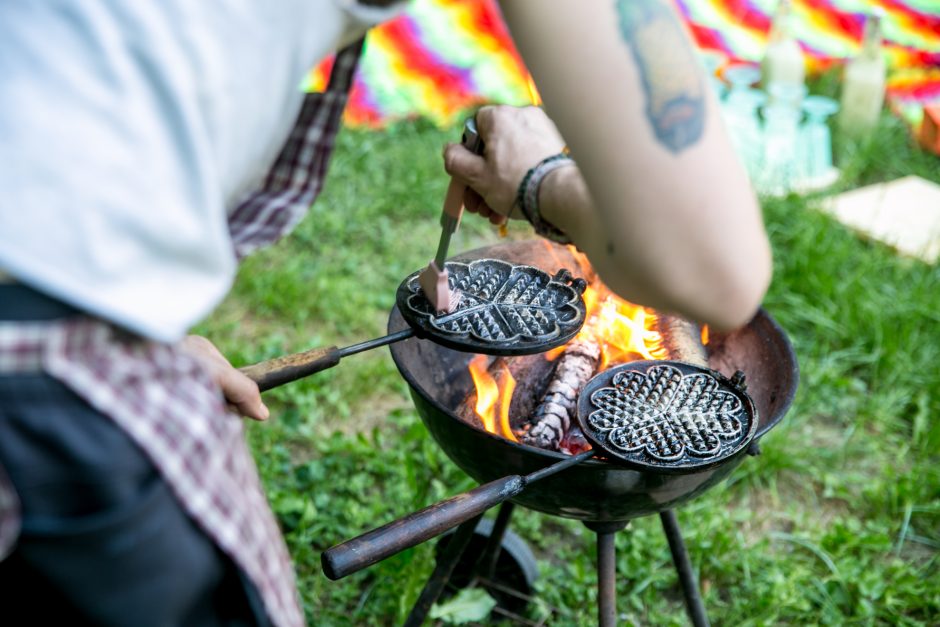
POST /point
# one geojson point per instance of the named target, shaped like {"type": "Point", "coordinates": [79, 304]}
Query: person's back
{"type": "Point", "coordinates": [128, 131]}
{"type": "Point", "coordinates": [136, 144]}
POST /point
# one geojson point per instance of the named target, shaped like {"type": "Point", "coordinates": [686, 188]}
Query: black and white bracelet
{"type": "Point", "coordinates": [527, 198]}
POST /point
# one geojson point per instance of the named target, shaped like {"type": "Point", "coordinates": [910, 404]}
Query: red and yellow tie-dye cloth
{"type": "Point", "coordinates": [442, 57]}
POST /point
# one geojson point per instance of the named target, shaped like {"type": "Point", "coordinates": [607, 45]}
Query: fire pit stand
{"type": "Point", "coordinates": [680, 557]}
{"type": "Point", "coordinates": [606, 570]}
{"type": "Point", "coordinates": [442, 572]}
{"type": "Point", "coordinates": [606, 566]}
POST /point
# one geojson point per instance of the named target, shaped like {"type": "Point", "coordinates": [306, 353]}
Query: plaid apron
{"type": "Point", "coordinates": [164, 400]}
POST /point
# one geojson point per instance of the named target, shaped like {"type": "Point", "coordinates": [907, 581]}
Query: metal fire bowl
{"type": "Point", "coordinates": [593, 490]}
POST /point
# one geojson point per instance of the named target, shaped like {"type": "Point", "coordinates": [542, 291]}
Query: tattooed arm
{"type": "Point", "coordinates": [673, 223]}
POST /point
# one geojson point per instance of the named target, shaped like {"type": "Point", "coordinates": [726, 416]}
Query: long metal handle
{"type": "Point", "coordinates": [287, 368]}
{"type": "Point", "coordinates": [376, 545]}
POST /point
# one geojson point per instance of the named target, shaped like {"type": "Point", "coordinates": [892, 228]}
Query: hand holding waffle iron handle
{"type": "Point", "coordinates": [287, 368]}
{"type": "Point", "coordinates": [280, 370]}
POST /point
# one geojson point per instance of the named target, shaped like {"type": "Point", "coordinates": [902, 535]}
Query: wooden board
{"type": "Point", "coordinates": [904, 213]}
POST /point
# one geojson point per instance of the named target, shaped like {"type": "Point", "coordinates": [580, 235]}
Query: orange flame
{"type": "Point", "coordinates": [625, 331]}
{"type": "Point", "coordinates": [492, 398]}
{"type": "Point", "coordinates": [505, 400]}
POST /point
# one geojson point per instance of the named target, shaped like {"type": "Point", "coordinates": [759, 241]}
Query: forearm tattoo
{"type": "Point", "coordinates": [675, 103]}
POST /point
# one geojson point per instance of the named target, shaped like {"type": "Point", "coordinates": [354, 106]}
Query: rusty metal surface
{"type": "Point", "coordinates": [667, 416]}
{"type": "Point", "coordinates": [504, 308]}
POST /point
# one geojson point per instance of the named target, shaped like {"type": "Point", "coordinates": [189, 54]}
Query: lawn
{"type": "Point", "coordinates": [837, 522]}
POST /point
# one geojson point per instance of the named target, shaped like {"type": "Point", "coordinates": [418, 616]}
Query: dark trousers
{"type": "Point", "coordinates": [104, 541]}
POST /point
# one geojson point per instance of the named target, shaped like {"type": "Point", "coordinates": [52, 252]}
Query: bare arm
{"type": "Point", "coordinates": [673, 222]}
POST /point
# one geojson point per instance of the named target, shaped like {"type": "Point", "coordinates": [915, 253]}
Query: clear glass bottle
{"type": "Point", "coordinates": [787, 94]}
{"type": "Point", "coordinates": [783, 60]}
{"type": "Point", "coordinates": [815, 169]}
{"type": "Point", "coordinates": [782, 116]}
{"type": "Point", "coordinates": [863, 83]}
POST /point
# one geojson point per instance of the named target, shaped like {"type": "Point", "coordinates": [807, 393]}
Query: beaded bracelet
{"type": "Point", "coordinates": [527, 198]}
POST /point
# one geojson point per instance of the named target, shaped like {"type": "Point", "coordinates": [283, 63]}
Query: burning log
{"type": "Point", "coordinates": [552, 417]}
{"type": "Point", "coordinates": [682, 340]}
{"type": "Point", "coordinates": [529, 372]}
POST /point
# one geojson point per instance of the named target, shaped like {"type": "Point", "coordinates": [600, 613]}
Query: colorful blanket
{"type": "Point", "coordinates": [442, 57]}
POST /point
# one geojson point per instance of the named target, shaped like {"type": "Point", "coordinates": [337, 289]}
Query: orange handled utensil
{"type": "Point", "coordinates": [434, 278]}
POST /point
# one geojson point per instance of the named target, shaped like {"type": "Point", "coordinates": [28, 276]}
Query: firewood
{"type": "Point", "coordinates": [682, 340]}
{"type": "Point", "coordinates": [531, 373]}
{"type": "Point", "coordinates": [553, 416]}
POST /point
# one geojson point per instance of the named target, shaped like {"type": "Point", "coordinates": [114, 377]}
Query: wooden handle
{"type": "Point", "coordinates": [376, 545]}
{"type": "Point", "coordinates": [280, 370]}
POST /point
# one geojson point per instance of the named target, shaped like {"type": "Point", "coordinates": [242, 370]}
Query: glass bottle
{"type": "Point", "coordinates": [783, 60]}
{"type": "Point", "coordinates": [815, 164]}
{"type": "Point", "coordinates": [782, 115]}
{"type": "Point", "coordinates": [863, 83]}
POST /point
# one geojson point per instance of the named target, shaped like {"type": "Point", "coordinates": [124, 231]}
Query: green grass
{"type": "Point", "coordinates": [837, 522]}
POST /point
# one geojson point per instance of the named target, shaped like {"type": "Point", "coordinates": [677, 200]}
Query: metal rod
{"type": "Point", "coordinates": [442, 571]}
{"type": "Point", "coordinates": [687, 579]}
{"type": "Point", "coordinates": [558, 466]}
{"type": "Point", "coordinates": [391, 338]}
{"type": "Point", "coordinates": [606, 569]}
{"type": "Point", "coordinates": [606, 579]}
{"type": "Point", "coordinates": [494, 545]}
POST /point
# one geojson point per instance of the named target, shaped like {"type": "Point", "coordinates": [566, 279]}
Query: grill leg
{"type": "Point", "coordinates": [442, 571]}
{"type": "Point", "coordinates": [487, 564]}
{"type": "Point", "coordinates": [680, 557]}
{"type": "Point", "coordinates": [606, 570]}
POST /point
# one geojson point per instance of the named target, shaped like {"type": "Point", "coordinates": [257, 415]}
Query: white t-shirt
{"type": "Point", "coordinates": [128, 130]}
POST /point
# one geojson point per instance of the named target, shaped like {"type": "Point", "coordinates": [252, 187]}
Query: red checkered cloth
{"type": "Point", "coordinates": [297, 176]}
{"type": "Point", "coordinates": [164, 399]}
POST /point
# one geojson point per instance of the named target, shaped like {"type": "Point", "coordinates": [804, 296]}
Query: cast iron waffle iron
{"type": "Point", "coordinates": [665, 417]}
{"type": "Point", "coordinates": [668, 416]}
{"type": "Point", "coordinates": [501, 309]}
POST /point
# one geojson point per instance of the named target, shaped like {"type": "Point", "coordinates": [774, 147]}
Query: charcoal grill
{"type": "Point", "coordinates": [603, 495]}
